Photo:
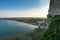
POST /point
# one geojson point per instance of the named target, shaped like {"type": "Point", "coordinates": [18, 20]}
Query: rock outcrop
{"type": "Point", "coordinates": [53, 31]}
{"type": "Point", "coordinates": [54, 8]}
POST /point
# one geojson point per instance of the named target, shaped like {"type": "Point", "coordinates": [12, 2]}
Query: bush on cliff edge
{"type": "Point", "coordinates": [53, 32]}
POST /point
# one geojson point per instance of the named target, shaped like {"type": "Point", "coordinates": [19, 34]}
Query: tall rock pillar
{"type": "Point", "coordinates": [54, 8]}
{"type": "Point", "coordinates": [53, 31]}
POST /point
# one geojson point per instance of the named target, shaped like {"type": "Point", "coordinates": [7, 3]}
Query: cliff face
{"type": "Point", "coordinates": [55, 4]}
{"type": "Point", "coordinates": [54, 8]}
{"type": "Point", "coordinates": [53, 31]}
{"type": "Point", "coordinates": [51, 3]}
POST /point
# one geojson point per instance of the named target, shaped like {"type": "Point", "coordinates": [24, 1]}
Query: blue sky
{"type": "Point", "coordinates": [24, 8]}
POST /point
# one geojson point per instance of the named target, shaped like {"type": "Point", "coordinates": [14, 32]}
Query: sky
{"type": "Point", "coordinates": [24, 8]}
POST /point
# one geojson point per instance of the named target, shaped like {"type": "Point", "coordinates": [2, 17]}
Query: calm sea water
{"type": "Point", "coordinates": [8, 27]}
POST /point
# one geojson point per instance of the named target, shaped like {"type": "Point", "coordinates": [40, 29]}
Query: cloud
{"type": "Point", "coordinates": [35, 12]}
{"type": "Point", "coordinates": [40, 11]}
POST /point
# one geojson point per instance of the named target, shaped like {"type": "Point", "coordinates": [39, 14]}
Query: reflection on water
{"type": "Point", "coordinates": [8, 27]}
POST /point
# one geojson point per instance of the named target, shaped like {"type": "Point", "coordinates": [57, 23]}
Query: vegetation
{"type": "Point", "coordinates": [49, 16]}
{"type": "Point", "coordinates": [53, 32]}
{"type": "Point", "coordinates": [35, 35]}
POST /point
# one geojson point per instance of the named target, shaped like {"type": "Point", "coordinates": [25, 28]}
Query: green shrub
{"type": "Point", "coordinates": [49, 16]}
{"type": "Point", "coordinates": [53, 32]}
